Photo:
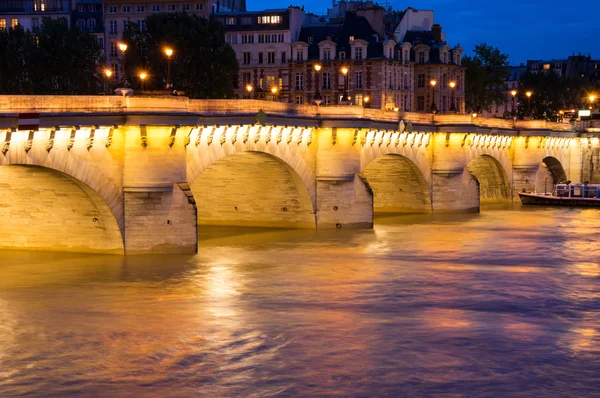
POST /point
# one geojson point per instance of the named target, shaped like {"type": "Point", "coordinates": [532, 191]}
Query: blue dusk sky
{"type": "Point", "coordinates": [524, 29]}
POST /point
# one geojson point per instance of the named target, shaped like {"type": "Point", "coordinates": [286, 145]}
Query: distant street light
{"type": "Point", "coordinates": [108, 73]}
{"type": "Point", "coordinates": [344, 71]}
{"type": "Point", "coordinates": [317, 92]}
{"type": "Point", "coordinates": [452, 106]}
{"type": "Point", "coordinates": [529, 94]}
{"type": "Point", "coordinates": [366, 100]}
{"type": "Point", "coordinates": [433, 107]}
{"type": "Point", "coordinates": [592, 98]}
{"type": "Point", "coordinates": [249, 89]}
{"type": "Point", "coordinates": [274, 91]}
{"type": "Point", "coordinates": [169, 53]}
{"type": "Point", "coordinates": [143, 77]}
{"type": "Point", "coordinates": [123, 48]}
{"type": "Point", "coordinates": [514, 94]}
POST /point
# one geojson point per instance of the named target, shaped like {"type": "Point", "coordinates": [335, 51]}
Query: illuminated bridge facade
{"type": "Point", "coordinates": [141, 175]}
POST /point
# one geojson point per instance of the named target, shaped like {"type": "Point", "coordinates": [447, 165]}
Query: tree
{"type": "Point", "coordinates": [203, 64]}
{"type": "Point", "coordinates": [484, 77]}
{"type": "Point", "coordinates": [56, 60]}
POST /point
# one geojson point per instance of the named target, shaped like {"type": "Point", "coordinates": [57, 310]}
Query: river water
{"type": "Point", "coordinates": [501, 303]}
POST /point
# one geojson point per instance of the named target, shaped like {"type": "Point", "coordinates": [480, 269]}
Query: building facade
{"type": "Point", "coordinates": [87, 16]}
{"type": "Point", "coordinates": [262, 43]}
{"type": "Point", "coordinates": [29, 13]}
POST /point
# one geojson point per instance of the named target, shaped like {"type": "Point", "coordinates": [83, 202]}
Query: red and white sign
{"type": "Point", "coordinates": [29, 121]}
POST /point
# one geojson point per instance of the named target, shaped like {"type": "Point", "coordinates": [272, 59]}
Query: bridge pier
{"type": "Point", "coordinates": [454, 190]}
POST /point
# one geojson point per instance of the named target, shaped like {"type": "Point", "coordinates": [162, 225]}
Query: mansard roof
{"type": "Point", "coordinates": [339, 32]}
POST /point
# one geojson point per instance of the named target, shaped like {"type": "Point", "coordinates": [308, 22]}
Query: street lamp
{"type": "Point", "coordinates": [433, 108]}
{"type": "Point", "coordinates": [592, 98]}
{"type": "Point", "coordinates": [143, 77]}
{"type": "Point", "coordinates": [344, 71]}
{"type": "Point", "coordinates": [452, 106]}
{"type": "Point", "coordinates": [169, 53]}
{"type": "Point", "coordinates": [514, 94]}
{"type": "Point", "coordinates": [528, 94]}
{"type": "Point", "coordinates": [123, 48]}
{"type": "Point", "coordinates": [274, 92]}
{"type": "Point", "coordinates": [249, 89]}
{"type": "Point", "coordinates": [366, 100]}
{"type": "Point", "coordinates": [108, 73]}
{"type": "Point", "coordinates": [317, 93]}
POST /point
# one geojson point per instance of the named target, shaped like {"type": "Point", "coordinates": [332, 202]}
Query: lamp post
{"type": "Point", "coordinates": [452, 106]}
{"type": "Point", "coordinates": [143, 77]}
{"type": "Point", "coordinates": [249, 89]}
{"type": "Point", "coordinates": [274, 91]}
{"type": "Point", "coordinates": [123, 48]}
{"type": "Point", "coordinates": [107, 73]}
{"type": "Point", "coordinates": [317, 92]}
{"type": "Point", "coordinates": [592, 98]}
{"type": "Point", "coordinates": [366, 101]}
{"type": "Point", "coordinates": [344, 71]}
{"type": "Point", "coordinates": [433, 108]}
{"type": "Point", "coordinates": [169, 53]}
{"type": "Point", "coordinates": [528, 94]}
{"type": "Point", "coordinates": [514, 94]}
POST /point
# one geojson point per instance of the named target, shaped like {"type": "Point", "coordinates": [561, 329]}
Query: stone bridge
{"type": "Point", "coordinates": [141, 174]}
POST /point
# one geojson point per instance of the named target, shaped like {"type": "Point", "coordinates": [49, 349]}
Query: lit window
{"type": "Point", "coordinates": [546, 66]}
{"type": "Point", "coordinates": [14, 22]}
{"type": "Point", "coordinates": [351, 38]}
{"type": "Point", "coordinates": [230, 21]}
{"type": "Point", "coordinates": [269, 19]}
{"type": "Point", "coordinates": [2, 24]}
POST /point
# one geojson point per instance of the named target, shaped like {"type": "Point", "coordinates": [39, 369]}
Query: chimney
{"type": "Point", "coordinates": [436, 31]}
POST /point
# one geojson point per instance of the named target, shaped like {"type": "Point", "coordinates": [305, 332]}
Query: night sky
{"type": "Point", "coordinates": [525, 29]}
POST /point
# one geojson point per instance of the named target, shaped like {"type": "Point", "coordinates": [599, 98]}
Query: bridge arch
{"type": "Point", "coordinates": [252, 188]}
{"type": "Point", "coordinates": [549, 173]}
{"type": "Point", "coordinates": [398, 185]}
{"type": "Point", "coordinates": [46, 209]}
{"type": "Point", "coordinates": [494, 184]}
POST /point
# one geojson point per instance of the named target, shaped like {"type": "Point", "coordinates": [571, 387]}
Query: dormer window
{"type": "Point", "coordinates": [342, 55]}
{"type": "Point", "coordinates": [351, 38]}
{"type": "Point", "coordinates": [358, 53]}
{"type": "Point", "coordinates": [311, 40]}
{"type": "Point", "coordinates": [421, 57]}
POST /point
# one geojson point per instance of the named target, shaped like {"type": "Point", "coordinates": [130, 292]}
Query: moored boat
{"type": "Point", "coordinates": [575, 195]}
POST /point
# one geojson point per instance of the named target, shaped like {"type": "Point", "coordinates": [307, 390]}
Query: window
{"type": "Point", "coordinates": [112, 27]}
{"type": "Point", "coordinates": [261, 39]}
{"type": "Point", "coordinates": [93, 8]}
{"type": "Point", "coordinates": [199, 6]}
{"type": "Point", "coordinates": [326, 99]}
{"type": "Point", "coordinates": [445, 104]}
{"type": "Point", "coordinates": [405, 81]}
{"type": "Point", "coordinates": [406, 107]}
{"type": "Point", "coordinates": [358, 78]}
{"type": "Point", "coordinates": [141, 24]}
{"type": "Point", "coordinates": [81, 24]}
{"type": "Point", "coordinates": [2, 24]}
{"type": "Point", "coordinates": [342, 55]}
{"type": "Point", "coordinates": [283, 57]}
{"type": "Point", "coordinates": [247, 39]}
{"type": "Point", "coordinates": [421, 80]}
{"type": "Point", "coordinates": [358, 99]}
{"type": "Point", "coordinates": [247, 58]}
{"type": "Point", "coordinates": [390, 81]}
{"type": "Point", "coordinates": [246, 20]}
{"type": "Point", "coordinates": [299, 55]}
{"type": "Point", "coordinates": [185, 7]}
{"type": "Point", "coordinates": [458, 60]}
{"type": "Point", "coordinates": [270, 82]}
{"type": "Point", "coordinates": [125, 23]}
{"type": "Point", "coordinates": [546, 66]}
{"type": "Point", "coordinates": [269, 19]}
{"type": "Point", "coordinates": [171, 7]}
{"type": "Point", "coordinates": [35, 25]}
{"type": "Point", "coordinates": [444, 81]}
{"type": "Point", "coordinates": [271, 57]}
{"type": "Point", "coordinates": [326, 54]}
{"type": "Point", "coordinates": [280, 37]}
{"type": "Point", "coordinates": [420, 103]}
{"type": "Point", "coordinates": [299, 100]}
{"type": "Point", "coordinates": [445, 57]}
{"type": "Point", "coordinates": [126, 8]}
{"type": "Point", "coordinates": [156, 8]}
{"type": "Point", "coordinates": [80, 7]}
{"type": "Point", "coordinates": [326, 81]}
{"type": "Point", "coordinates": [91, 23]}
{"type": "Point", "coordinates": [231, 38]}
{"type": "Point", "coordinates": [299, 81]}
{"type": "Point", "coordinates": [351, 38]}
{"type": "Point", "coordinates": [101, 42]}
{"type": "Point", "coordinates": [113, 49]}
{"type": "Point", "coordinates": [260, 58]}
{"type": "Point", "coordinates": [230, 21]}
{"type": "Point", "coordinates": [421, 57]}
{"type": "Point", "coordinates": [311, 40]}
{"type": "Point", "coordinates": [140, 8]}
{"type": "Point", "coordinates": [358, 53]}
{"type": "Point", "coordinates": [405, 58]}
{"type": "Point", "coordinates": [115, 68]}
{"type": "Point", "coordinates": [112, 10]}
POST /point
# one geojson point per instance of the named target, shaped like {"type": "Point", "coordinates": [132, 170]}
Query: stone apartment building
{"type": "Point", "coordinates": [262, 43]}
{"type": "Point", "coordinates": [119, 13]}
{"type": "Point", "coordinates": [377, 74]}
{"type": "Point", "coordinates": [434, 59]}
{"type": "Point", "coordinates": [87, 16]}
{"type": "Point", "coordinates": [29, 13]}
